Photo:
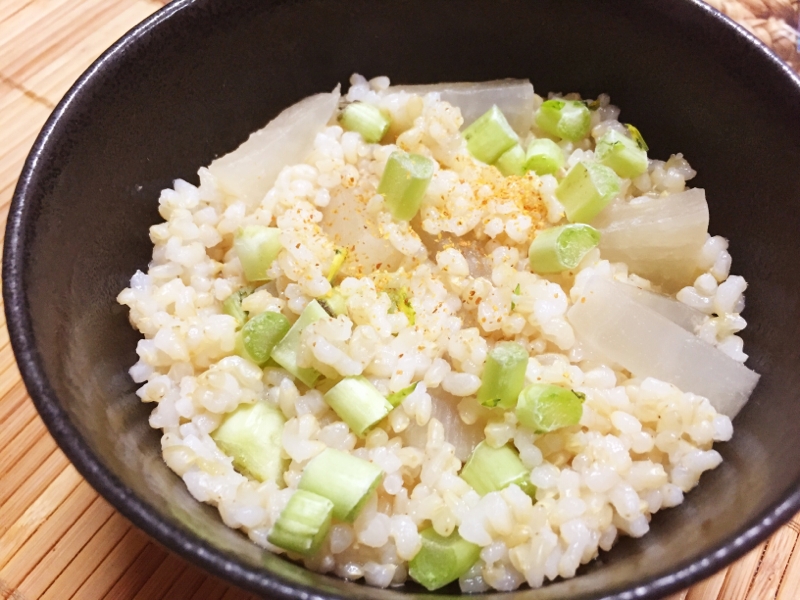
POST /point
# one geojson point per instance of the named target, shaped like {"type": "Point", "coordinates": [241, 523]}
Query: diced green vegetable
{"type": "Point", "coordinates": [346, 480]}
{"type": "Point", "coordinates": [561, 248]}
{"type": "Point", "coordinates": [334, 303]}
{"type": "Point", "coordinates": [637, 137]}
{"type": "Point", "coordinates": [358, 403]}
{"type": "Point", "coordinates": [586, 190]}
{"type": "Point", "coordinates": [490, 136]}
{"type": "Point", "coordinates": [543, 408]}
{"type": "Point", "coordinates": [403, 183]}
{"type": "Point", "coordinates": [366, 119]}
{"type": "Point", "coordinates": [492, 469]}
{"type": "Point", "coordinates": [303, 523]}
{"type": "Point", "coordinates": [251, 434]}
{"type": "Point", "coordinates": [512, 162]}
{"type": "Point", "coordinates": [339, 256]}
{"type": "Point", "coordinates": [503, 375]}
{"type": "Point", "coordinates": [396, 399]}
{"type": "Point", "coordinates": [257, 246]}
{"type": "Point", "coordinates": [621, 153]}
{"type": "Point", "coordinates": [232, 305]}
{"type": "Point", "coordinates": [544, 157]}
{"type": "Point", "coordinates": [401, 302]}
{"type": "Point", "coordinates": [566, 119]}
{"type": "Point", "coordinates": [442, 559]}
{"type": "Point", "coordinates": [285, 352]}
{"type": "Point", "coordinates": [261, 333]}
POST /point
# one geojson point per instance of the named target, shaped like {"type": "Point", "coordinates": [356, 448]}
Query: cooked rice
{"type": "Point", "coordinates": [641, 443]}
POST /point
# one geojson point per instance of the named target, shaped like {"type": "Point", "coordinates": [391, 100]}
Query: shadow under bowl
{"type": "Point", "coordinates": [194, 80]}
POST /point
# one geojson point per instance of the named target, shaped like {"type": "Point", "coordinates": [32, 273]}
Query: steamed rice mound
{"type": "Point", "coordinates": [641, 443]}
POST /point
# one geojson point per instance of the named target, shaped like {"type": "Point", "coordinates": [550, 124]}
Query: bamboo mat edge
{"type": "Point", "coordinates": [58, 538]}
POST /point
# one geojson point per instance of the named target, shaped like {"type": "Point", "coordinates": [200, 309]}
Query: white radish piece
{"type": "Point", "coordinates": [679, 313]}
{"type": "Point", "coordinates": [659, 238]}
{"type": "Point", "coordinates": [648, 344]}
{"type": "Point", "coordinates": [512, 96]}
{"type": "Point", "coordinates": [444, 408]}
{"type": "Point", "coordinates": [251, 170]}
{"type": "Point", "coordinates": [348, 224]}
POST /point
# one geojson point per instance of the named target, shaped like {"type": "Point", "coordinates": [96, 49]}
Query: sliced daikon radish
{"type": "Point", "coordinates": [679, 313]}
{"type": "Point", "coordinates": [349, 225]}
{"type": "Point", "coordinates": [514, 97]}
{"type": "Point", "coordinates": [444, 408]}
{"type": "Point", "coordinates": [659, 239]}
{"type": "Point", "coordinates": [648, 344]}
{"type": "Point", "coordinates": [250, 171]}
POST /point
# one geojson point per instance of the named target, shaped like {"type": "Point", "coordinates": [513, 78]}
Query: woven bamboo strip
{"type": "Point", "coordinates": [790, 583]}
{"type": "Point", "coordinates": [81, 567]}
{"type": "Point", "coordinates": [27, 454]}
{"type": "Point", "coordinates": [46, 504]}
{"type": "Point", "coordinates": [114, 565]}
{"type": "Point", "coordinates": [32, 487]}
{"type": "Point", "coordinates": [184, 587]}
{"type": "Point", "coordinates": [172, 568]}
{"type": "Point", "coordinates": [211, 589]}
{"type": "Point", "coordinates": [39, 35]}
{"type": "Point", "coordinates": [708, 589]}
{"type": "Point", "coordinates": [19, 444]}
{"type": "Point", "coordinates": [14, 566]}
{"type": "Point", "coordinates": [16, 410]}
{"type": "Point", "coordinates": [773, 564]}
{"type": "Point", "coordinates": [66, 549]}
{"type": "Point", "coordinates": [51, 80]}
{"type": "Point", "coordinates": [11, 7]}
{"type": "Point", "coordinates": [740, 575]}
{"type": "Point", "coordinates": [42, 452]}
{"type": "Point", "coordinates": [138, 572]}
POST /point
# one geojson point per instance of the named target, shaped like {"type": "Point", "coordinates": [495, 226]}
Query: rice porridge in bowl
{"type": "Point", "coordinates": [442, 332]}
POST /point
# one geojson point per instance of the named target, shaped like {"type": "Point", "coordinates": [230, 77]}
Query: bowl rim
{"type": "Point", "coordinates": [185, 543]}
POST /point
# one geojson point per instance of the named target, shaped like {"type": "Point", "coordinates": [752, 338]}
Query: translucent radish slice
{"type": "Point", "coordinates": [514, 97]}
{"type": "Point", "coordinates": [648, 344]}
{"type": "Point", "coordinates": [659, 238]}
{"type": "Point", "coordinates": [250, 171]}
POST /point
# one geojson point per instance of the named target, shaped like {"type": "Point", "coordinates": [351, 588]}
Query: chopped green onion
{"type": "Point", "coordinates": [561, 248]}
{"type": "Point", "coordinates": [334, 303]}
{"type": "Point", "coordinates": [621, 153]}
{"type": "Point", "coordinates": [512, 162]}
{"type": "Point", "coordinates": [366, 119]}
{"type": "Point", "coordinates": [285, 352]}
{"type": "Point", "coordinates": [544, 157]}
{"type": "Point", "coordinates": [303, 523]}
{"type": "Point", "coordinates": [442, 559]}
{"type": "Point", "coordinates": [358, 403]}
{"type": "Point", "coordinates": [586, 190]}
{"type": "Point", "coordinates": [232, 305]}
{"type": "Point", "coordinates": [257, 246]}
{"type": "Point", "coordinates": [637, 136]}
{"type": "Point", "coordinates": [566, 119]}
{"type": "Point", "coordinates": [401, 302]}
{"type": "Point", "coordinates": [251, 434]}
{"type": "Point", "coordinates": [396, 399]}
{"type": "Point", "coordinates": [543, 408]}
{"type": "Point", "coordinates": [339, 256]}
{"type": "Point", "coordinates": [261, 333]}
{"type": "Point", "coordinates": [503, 375]}
{"type": "Point", "coordinates": [344, 479]}
{"type": "Point", "coordinates": [490, 136]}
{"type": "Point", "coordinates": [492, 469]}
{"type": "Point", "coordinates": [403, 183]}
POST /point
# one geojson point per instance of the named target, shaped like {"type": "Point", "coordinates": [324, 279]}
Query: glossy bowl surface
{"type": "Point", "coordinates": [191, 82]}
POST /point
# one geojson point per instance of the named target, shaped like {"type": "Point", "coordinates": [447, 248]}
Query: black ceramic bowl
{"type": "Point", "coordinates": [192, 81]}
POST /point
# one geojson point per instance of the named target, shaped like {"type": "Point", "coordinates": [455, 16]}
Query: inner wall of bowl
{"type": "Point", "coordinates": [196, 85]}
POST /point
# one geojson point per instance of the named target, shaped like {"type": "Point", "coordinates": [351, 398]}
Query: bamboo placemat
{"type": "Point", "coordinates": [58, 538]}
